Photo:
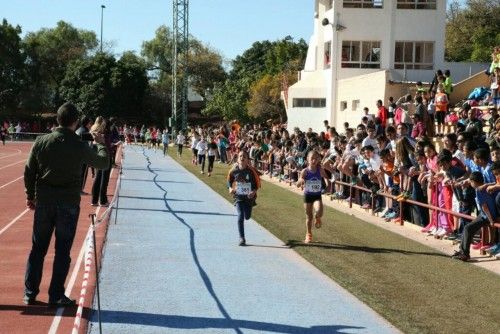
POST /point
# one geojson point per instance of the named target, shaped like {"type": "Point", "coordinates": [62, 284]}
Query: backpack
{"type": "Point", "coordinates": [478, 93]}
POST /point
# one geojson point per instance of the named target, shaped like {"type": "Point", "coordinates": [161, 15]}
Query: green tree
{"type": "Point", "coordinates": [12, 70]}
{"type": "Point", "coordinates": [252, 63]}
{"type": "Point", "coordinates": [472, 30]}
{"type": "Point", "coordinates": [49, 53]}
{"type": "Point", "coordinates": [204, 64]}
{"type": "Point", "coordinates": [88, 84]}
{"type": "Point", "coordinates": [229, 100]}
{"type": "Point", "coordinates": [265, 102]}
{"type": "Point", "coordinates": [129, 83]}
{"type": "Point", "coordinates": [253, 87]}
{"type": "Point", "coordinates": [204, 67]}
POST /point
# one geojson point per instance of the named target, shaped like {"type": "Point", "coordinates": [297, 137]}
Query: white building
{"type": "Point", "coordinates": [358, 49]}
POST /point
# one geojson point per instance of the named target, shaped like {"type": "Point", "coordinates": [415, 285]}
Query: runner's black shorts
{"type": "Point", "coordinates": [311, 198]}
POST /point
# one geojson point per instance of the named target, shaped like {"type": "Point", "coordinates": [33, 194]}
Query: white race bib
{"type": "Point", "coordinates": [243, 188]}
{"type": "Point", "coordinates": [313, 186]}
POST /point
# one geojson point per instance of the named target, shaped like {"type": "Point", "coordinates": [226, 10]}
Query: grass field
{"type": "Point", "coordinates": [416, 288]}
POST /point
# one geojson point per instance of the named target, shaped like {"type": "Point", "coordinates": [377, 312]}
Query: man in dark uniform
{"type": "Point", "coordinates": [52, 178]}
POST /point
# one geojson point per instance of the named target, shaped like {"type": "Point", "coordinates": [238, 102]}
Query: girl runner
{"type": "Point", "coordinates": [164, 140]}
{"type": "Point", "coordinates": [243, 182]}
{"type": "Point", "coordinates": [310, 179]}
{"type": "Point", "coordinates": [212, 151]}
{"type": "Point", "coordinates": [180, 141]}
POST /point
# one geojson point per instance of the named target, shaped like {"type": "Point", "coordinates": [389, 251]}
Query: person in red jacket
{"type": "Point", "coordinates": [383, 113]}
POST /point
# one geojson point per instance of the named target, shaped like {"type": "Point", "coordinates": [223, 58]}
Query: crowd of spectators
{"type": "Point", "coordinates": [415, 148]}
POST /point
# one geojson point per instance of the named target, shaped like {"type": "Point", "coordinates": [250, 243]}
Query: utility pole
{"type": "Point", "coordinates": [102, 17]}
{"type": "Point", "coordinates": [180, 73]}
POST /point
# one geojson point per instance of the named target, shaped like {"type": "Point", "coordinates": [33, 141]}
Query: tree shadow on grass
{"type": "Point", "coordinates": [186, 322]}
{"type": "Point", "coordinates": [366, 249]}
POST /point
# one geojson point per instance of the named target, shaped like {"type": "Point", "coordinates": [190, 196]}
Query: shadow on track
{"type": "Point", "coordinates": [202, 272]}
{"type": "Point", "coordinates": [184, 322]}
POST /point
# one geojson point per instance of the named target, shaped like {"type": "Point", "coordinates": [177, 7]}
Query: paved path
{"type": "Point", "coordinates": [172, 265]}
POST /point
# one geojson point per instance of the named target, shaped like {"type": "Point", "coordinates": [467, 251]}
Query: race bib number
{"type": "Point", "coordinates": [243, 188]}
{"type": "Point", "coordinates": [313, 186]}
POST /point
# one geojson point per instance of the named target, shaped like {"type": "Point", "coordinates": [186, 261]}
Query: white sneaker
{"type": "Point", "coordinates": [432, 231]}
{"type": "Point", "coordinates": [441, 232]}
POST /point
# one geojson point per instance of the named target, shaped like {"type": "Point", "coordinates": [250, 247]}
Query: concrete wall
{"type": "Point", "coordinates": [462, 71]}
{"type": "Point", "coordinates": [312, 85]}
{"type": "Point", "coordinates": [367, 89]}
{"type": "Point", "coordinates": [462, 89]}
{"type": "Point", "coordinates": [305, 118]}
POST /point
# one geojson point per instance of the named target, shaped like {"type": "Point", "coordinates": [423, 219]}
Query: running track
{"type": "Point", "coordinates": [172, 265]}
{"type": "Point", "coordinates": [15, 243]}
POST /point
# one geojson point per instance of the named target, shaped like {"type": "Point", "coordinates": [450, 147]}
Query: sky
{"type": "Point", "coordinates": [229, 26]}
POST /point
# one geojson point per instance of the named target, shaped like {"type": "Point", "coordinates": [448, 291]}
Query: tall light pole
{"type": "Point", "coordinates": [102, 16]}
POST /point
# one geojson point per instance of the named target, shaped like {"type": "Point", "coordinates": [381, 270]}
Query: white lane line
{"type": "Point", "coordinates": [13, 221]}
{"type": "Point", "coordinates": [15, 163]}
{"type": "Point", "coordinates": [11, 155]}
{"type": "Point", "coordinates": [58, 316]}
{"type": "Point", "coordinates": [5, 185]}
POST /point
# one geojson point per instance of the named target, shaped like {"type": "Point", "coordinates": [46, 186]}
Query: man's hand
{"type": "Point", "coordinates": [252, 194]}
{"type": "Point", "coordinates": [30, 204]}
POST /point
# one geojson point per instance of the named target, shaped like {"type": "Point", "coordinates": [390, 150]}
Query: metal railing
{"type": "Point", "coordinates": [263, 166]}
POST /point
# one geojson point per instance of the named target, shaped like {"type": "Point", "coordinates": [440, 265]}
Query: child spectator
{"type": "Point", "coordinates": [441, 102]}
{"type": "Point", "coordinates": [448, 85]}
{"type": "Point", "coordinates": [371, 175]}
{"type": "Point", "coordinates": [390, 183]}
{"type": "Point", "coordinates": [403, 163]}
{"type": "Point", "coordinates": [444, 183]}
{"type": "Point", "coordinates": [419, 129]}
{"type": "Point", "coordinates": [370, 140]}
{"type": "Point", "coordinates": [383, 113]}
{"type": "Point", "coordinates": [487, 216]}
{"type": "Point", "coordinates": [495, 189]}
{"type": "Point", "coordinates": [432, 194]}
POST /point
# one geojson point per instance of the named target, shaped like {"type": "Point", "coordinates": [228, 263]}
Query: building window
{"type": "Point", "coordinates": [309, 103]}
{"type": "Point", "coordinates": [357, 54]}
{"type": "Point", "coordinates": [343, 105]}
{"type": "Point", "coordinates": [414, 55]}
{"type": "Point", "coordinates": [355, 105]}
{"type": "Point", "coordinates": [327, 55]}
{"type": "Point", "coordinates": [363, 3]}
{"type": "Point", "coordinates": [416, 4]}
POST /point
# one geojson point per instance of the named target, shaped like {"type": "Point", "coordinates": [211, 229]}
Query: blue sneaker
{"type": "Point", "coordinates": [391, 215]}
{"type": "Point", "coordinates": [493, 250]}
{"type": "Point", "coordinates": [388, 211]}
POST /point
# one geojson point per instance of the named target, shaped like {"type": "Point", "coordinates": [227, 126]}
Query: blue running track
{"type": "Point", "coordinates": [172, 265]}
